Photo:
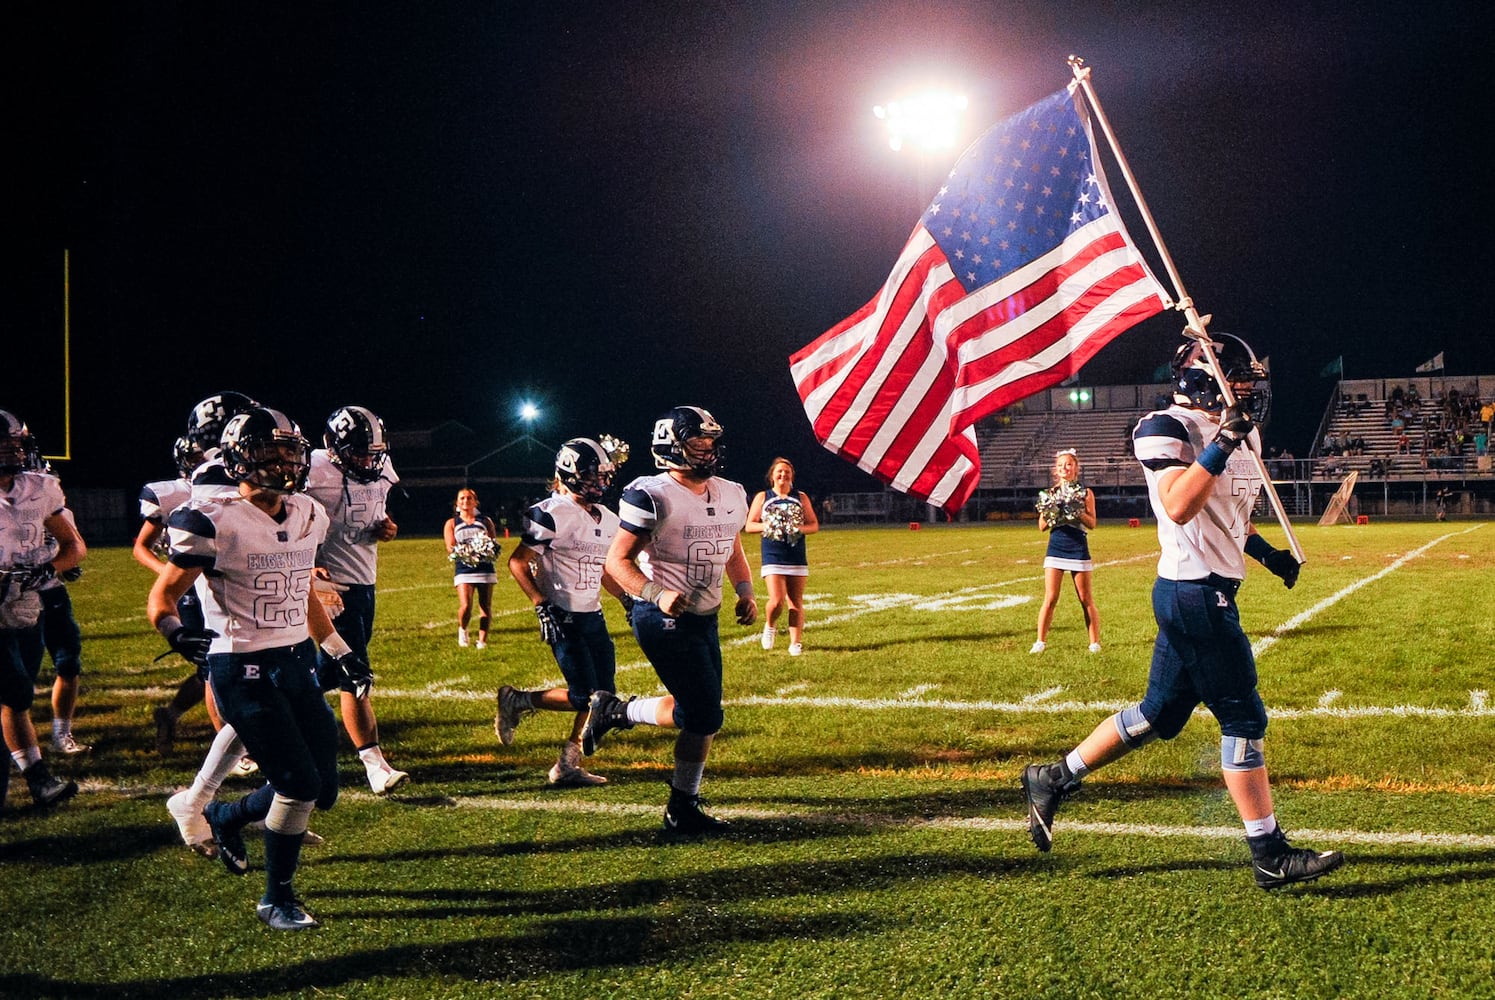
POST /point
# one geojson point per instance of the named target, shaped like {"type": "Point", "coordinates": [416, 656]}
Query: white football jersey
{"type": "Point", "coordinates": [211, 480]}
{"type": "Point", "coordinates": [32, 498]}
{"type": "Point", "coordinates": [1214, 540]}
{"type": "Point", "coordinates": [159, 499]}
{"type": "Point", "coordinates": [256, 570]}
{"type": "Point", "coordinates": [571, 547]}
{"type": "Point", "coordinates": [690, 535]}
{"type": "Point", "coordinates": [350, 553]}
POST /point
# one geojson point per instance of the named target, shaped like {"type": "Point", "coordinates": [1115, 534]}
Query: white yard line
{"type": "Point", "coordinates": [1269, 640]}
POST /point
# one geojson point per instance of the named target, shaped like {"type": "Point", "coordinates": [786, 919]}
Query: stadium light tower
{"type": "Point", "coordinates": [927, 126]}
{"type": "Point", "coordinates": [528, 412]}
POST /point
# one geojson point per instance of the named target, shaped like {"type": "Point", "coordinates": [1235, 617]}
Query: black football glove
{"type": "Point", "coordinates": [1282, 563]}
{"type": "Point", "coordinates": [550, 623]}
{"type": "Point", "coordinates": [32, 577]}
{"type": "Point", "coordinates": [71, 575]}
{"type": "Point", "coordinates": [358, 676]}
{"type": "Point", "coordinates": [192, 644]}
{"type": "Point", "coordinates": [627, 601]}
{"type": "Point", "coordinates": [1235, 427]}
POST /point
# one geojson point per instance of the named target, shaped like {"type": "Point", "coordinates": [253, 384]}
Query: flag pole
{"type": "Point", "coordinates": [1195, 324]}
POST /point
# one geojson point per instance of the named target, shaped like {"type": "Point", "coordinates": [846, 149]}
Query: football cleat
{"type": "Point", "coordinates": [290, 915]}
{"type": "Point", "coordinates": [1045, 788]}
{"type": "Point", "coordinates": [47, 790]}
{"type": "Point", "coordinates": [608, 712]}
{"type": "Point", "coordinates": [510, 713]}
{"type": "Point", "coordinates": [231, 849]}
{"type": "Point", "coordinates": [68, 745]}
{"type": "Point", "coordinates": [1276, 863]}
{"type": "Point", "coordinates": [191, 823]}
{"type": "Point", "coordinates": [683, 816]}
{"type": "Point", "coordinates": [568, 772]}
{"type": "Point", "coordinates": [384, 780]}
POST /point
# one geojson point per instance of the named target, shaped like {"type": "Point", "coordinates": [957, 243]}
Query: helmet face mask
{"type": "Point", "coordinates": [206, 422]}
{"type": "Point", "coordinates": [18, 448]}
{"type": "Point", "coordinates": [356, 444]}
{"type": "Point", "coordinates": [1194, 385]}
{"type": "Point", "coordinates": [687, 439]}
{"type": "Point", "coordinates": [265, 448]}
{"type": "Point", "coordinates": [585, 469]}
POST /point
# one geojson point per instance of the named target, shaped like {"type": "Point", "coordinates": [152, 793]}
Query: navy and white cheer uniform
{"type": "Point", "coordinates": [1069, 549]}
{"type": "Point", "coordinates": [483, 572]}
{"type": "Point", "coordinates": [780, 558]}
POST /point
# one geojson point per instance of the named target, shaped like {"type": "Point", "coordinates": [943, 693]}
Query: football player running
{"type": "Point", "coordinates": [256, 550]}
{"type": "Point", "coordinates": [158, 499]}
{"type": "Point", "coordinates": [32, 507]}
{"type": "Point", "coordinates": [679, 532]}
{"type": "Point", "coordinates": [559, 565]}
{"type": "Point", "coordinates": [1202, 487]}
{"type": "Point", "coordinates": [351, 477]}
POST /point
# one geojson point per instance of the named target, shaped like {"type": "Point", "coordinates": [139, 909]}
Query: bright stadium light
{"type": "Point", "coordinates": [929, 121]}
{"type": "Point", "coordinates": [528, 412]}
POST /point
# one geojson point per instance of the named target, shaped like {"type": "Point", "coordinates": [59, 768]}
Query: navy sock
{"type": "Point", "coordinates": [252, 807]}
{"type": "Point", "coordinates": [282, 857]}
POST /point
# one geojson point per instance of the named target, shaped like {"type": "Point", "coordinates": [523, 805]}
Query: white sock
{"type": "Point", "coordinates": [1076, 766]}
{"type": "Point", "coordinates": [24, 758]}
{"type": "Point", "coordinates": [61, 728]}
{"type": "Point", "coordinates": [373, 759]}
{"type": "Point", "coordinates": [1261, 827]}
{"type": "Point", "coordinates": [644, 710]}
{"type": "Point", "coordinates": [223, 756]}
{"type": "Point", "coordinates": [688, 776]}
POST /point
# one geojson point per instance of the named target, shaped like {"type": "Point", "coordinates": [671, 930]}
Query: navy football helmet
{"type": "Point", "coordinates": [265, 448]}
{"type": "Point", "coordinates": [187, 455]}
{"type": "Point", "coordinates": [208, 418]}
{"type": "Point", "coordinates": [585, 468]}
{"type": "Point", "coordinates": [1194, 384]}
{"type": "Point", "coordinates": [687, 439]}
{"type": "Point", "coordinates": [18, 448]}
{"type": "Point", "coordinates": [355, 443]}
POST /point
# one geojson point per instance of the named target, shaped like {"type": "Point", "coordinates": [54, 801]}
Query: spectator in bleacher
{"type": "Point", "coordinates": [1402, 442]}
{"type": "Point", "coordinates": [1066, 511]}
{"type": "Point", "coordinates": [1487, 415]}
{"type": "Point", "coordinates": [1356, 445]}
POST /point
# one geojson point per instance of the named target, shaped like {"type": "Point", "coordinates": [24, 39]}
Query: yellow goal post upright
{"type": "Point", "coordinates": [1339, 504]}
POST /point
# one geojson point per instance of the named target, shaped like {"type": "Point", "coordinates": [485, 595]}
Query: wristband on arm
{"type": "Point", "coordinates": [650, 592]}
{"type": "Point", "coordinates": [335, 645]}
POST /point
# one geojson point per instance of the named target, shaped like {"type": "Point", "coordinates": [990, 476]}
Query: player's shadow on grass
{"type": "Point", "coordinates": [1446, 868]}
{"type": "Point", "coordinates": [539, 948]}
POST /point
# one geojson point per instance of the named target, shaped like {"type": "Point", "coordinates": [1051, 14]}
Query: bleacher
{"type": "Point", "coordinates": [1020, 451]}
{"type": "Point", "coordinates": [1359, 411]}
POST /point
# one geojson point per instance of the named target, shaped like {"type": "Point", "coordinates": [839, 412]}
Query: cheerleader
{"type": "Point", "coordinates": [783, 516]}
{"type": "Point", "coordinates": [465, 528]}
{"type": "Point", "coordinates": [1067, 511]}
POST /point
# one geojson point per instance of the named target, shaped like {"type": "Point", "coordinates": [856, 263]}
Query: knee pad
{"type": "Point", "coordinates": [1240, 754]}
{"type": "Point", "coordinates": [1133, 728]}
{"type": "Point", "coordinates": [289, 816]}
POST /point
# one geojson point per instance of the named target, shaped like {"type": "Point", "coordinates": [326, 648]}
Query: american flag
{"type": "Point", "coordinates": [1016, 274]}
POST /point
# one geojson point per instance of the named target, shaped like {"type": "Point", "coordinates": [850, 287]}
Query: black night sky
{"type": "Point", "coordinates": [438, 209]}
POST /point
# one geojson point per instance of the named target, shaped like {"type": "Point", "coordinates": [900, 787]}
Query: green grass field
{"type": "Point", "coordinates": [878, 845]}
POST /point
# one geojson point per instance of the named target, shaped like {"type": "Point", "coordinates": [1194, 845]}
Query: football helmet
{"type": "Point", "coordinates": [18, 448]}
{"type": "Point", "coordinates": [356, 444]}
{"type": "Point", "coordinates": [1194, 384]}
{"type": "Point", "coordinates": [584, 468]}
{"type": "Point", "coordinates": [687, 439]}
{"type": "Point", "coordinates": [187, 456]}
{"type": "Point", "coordinates": [208, 418]}
{"type": "Point", "coordinates": [265, 448]}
